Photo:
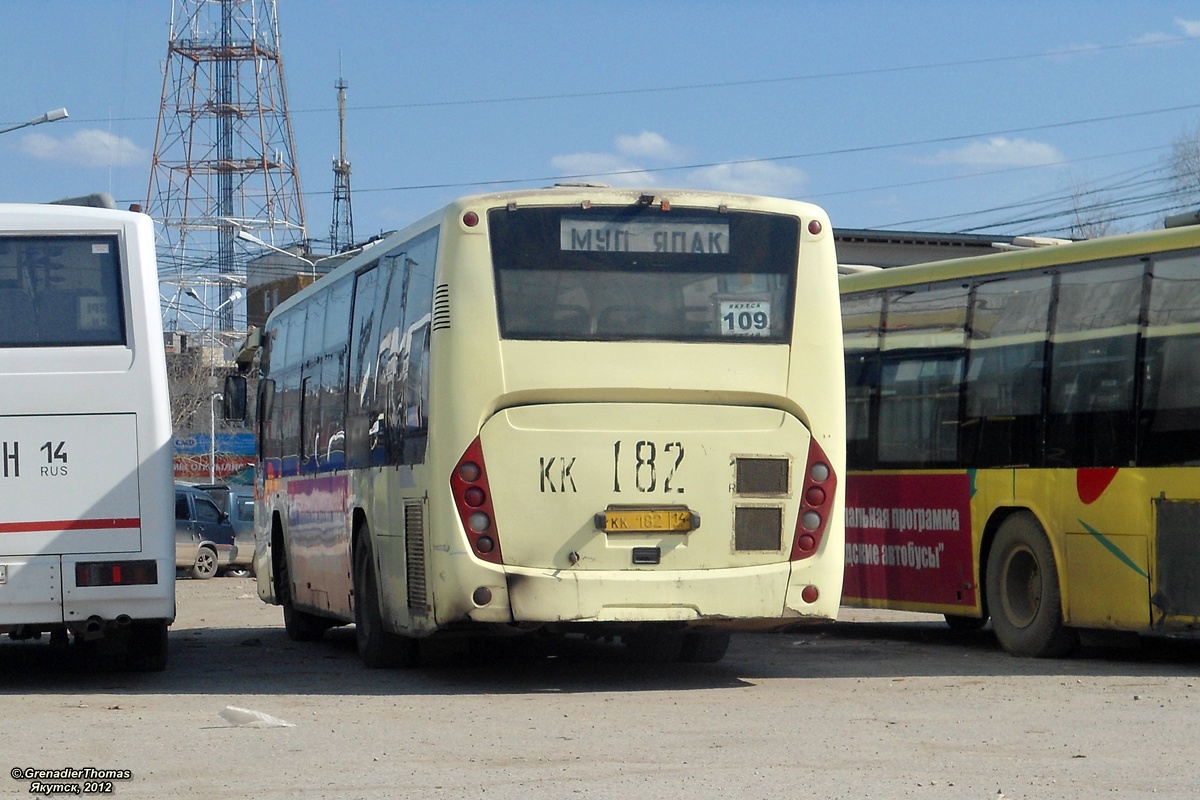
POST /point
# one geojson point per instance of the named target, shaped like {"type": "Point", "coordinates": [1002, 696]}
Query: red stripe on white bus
{"type": "Point", "coordinates": [69, 525]}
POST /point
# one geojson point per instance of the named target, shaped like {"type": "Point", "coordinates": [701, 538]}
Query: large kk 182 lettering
{"type": "Point", "coordinates": [642, 466]}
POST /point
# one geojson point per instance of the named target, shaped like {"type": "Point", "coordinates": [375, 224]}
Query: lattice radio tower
{"type": "Point", "coordinates": [223, 156]}
{"type": "Point", "coordinates": [341, 230]}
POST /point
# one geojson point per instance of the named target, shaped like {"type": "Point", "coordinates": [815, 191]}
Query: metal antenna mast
{"type": "Point", "coordinates": [224, 158]}
{"type": "Point", "coordinates": [341, 231]}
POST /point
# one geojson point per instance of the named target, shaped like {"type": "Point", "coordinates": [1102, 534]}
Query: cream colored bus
{"type": "Point", "coordinates": [576, 409]}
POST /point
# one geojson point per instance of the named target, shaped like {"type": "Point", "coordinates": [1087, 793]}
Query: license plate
{"type": "Point", "coordinates": [647, 520]}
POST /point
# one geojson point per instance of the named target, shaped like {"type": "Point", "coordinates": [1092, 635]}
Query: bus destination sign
{"type": "Point", "coordinates": [588, 234]}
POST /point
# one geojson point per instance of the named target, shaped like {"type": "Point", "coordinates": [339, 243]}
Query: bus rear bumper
{"type": "Point", "coordinates": [749, 594]}
{"type": "Point", "coordinates": [39, 593]}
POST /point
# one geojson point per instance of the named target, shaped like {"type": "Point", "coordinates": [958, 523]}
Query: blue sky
{"type": "Point", "coordinates": [933, 116]}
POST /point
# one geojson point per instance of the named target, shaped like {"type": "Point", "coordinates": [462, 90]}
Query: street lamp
{"type": "Point", "coordinates": [49, 116]}
{"type": "Point", "coordinates": [234, 296]}
{"type": "Point", "coordinates": [246, 236]}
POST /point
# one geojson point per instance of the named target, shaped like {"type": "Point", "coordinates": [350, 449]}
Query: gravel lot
{"type": "Point", "coordinates": [878, 705]}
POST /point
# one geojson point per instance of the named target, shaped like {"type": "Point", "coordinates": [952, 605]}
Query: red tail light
{"type": "Point", "coordinates": [816, 503]}
{"type": "Point", "coordinates": [473, 498]}
{"type": "Point", "coordinates": [116, 573]}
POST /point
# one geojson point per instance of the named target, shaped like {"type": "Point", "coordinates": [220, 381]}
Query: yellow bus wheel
{"type": "Point", "coordinates": [1023, 593]}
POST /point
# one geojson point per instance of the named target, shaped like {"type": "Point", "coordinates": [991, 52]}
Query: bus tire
{"type": "Point", "coordinates": [205, 566]}
{"type": "Point", "coordinates": [1023, 592]}
{"type": "Point", "coordinates": [146, 647]}
{"type": "Point", "coordinates": [704, 647]}
{"type": "Point", "coordinates": [377, 648]}
{"type": "Point", "coordinates": [652, 644]}
{"type": "Point", "coordinates": [300, 625]}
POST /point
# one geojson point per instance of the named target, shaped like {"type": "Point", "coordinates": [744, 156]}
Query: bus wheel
{"type": "Point", "coordinates": [704, 647]}
{"type": "Point", "coordinates": [1023, 593]}
{"type": "Point", "coordinates": [376, 647]}
{"type": "Point", "coordinates": [206, 564]}
{"type": "Point", "coordinates": [651, 644]}
{"type": "Point", "coordinates": [300, 625]}
{"type": "Point", "coordinates": [961, 624]}
{"type": "Point", "coordinates": [146, 647]}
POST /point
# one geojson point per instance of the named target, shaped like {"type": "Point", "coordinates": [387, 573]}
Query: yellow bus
{"type": "Point", "coordinates": [577, 409]}
{"type": "Point", "coordinates": [1023, 436]}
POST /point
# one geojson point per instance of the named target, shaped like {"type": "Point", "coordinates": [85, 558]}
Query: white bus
{"type": "Point", "coordinates": [586, 410]}
{"type": "Point", "coordinates": [86, 490]}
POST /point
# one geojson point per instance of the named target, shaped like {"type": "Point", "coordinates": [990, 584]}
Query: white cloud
{"type": "Point", "coordinates": [751, 177]}
{"type": "Point", "coordinates": [1187, 27]}
{"type": "Point", "coordinates": [1190, 27]}
{"type": "Point", "coordinates": [1155, 38]}
{"type": "Point", "coordinates": [603, 167]}
{"type": "Point", "coordinates": [639, 160]}
{"type": "Point", "coordinates": [999, 151]}
{"type": "Point", "coordinates": [647, 144]}
{"type": "Point", "coordinates": [85, 148]}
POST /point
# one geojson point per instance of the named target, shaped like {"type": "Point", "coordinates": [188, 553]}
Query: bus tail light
{"type": "Point", "coordinates": [816, 503]}
{"type": "Point", "coordinates": [473, 498]}
{"type": "Point", "coordinates": [116, 573]}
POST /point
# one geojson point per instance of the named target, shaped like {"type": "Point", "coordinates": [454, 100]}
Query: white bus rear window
{"type": "Point", "coordinates": [60, 291]}
{"type": "Point", "coordinates": [609, 274]}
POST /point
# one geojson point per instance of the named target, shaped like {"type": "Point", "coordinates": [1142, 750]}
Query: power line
{"type": "Point", "coordinates": [981, 174]}
{"type": "Point", "coordinates": [729, 84]}
{"type": "Point", "coordinates": [791, 157]}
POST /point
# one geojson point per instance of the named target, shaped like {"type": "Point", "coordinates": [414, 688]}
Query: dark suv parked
{"type": "Point", "coordinates": [237, 500]}
{"type": "Point", "coordinates": [203, 534]}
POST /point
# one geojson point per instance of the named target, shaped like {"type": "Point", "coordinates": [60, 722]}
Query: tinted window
{"type": "Point", "coordinates": [244, 509]}
{"type": "Point", "coordinates": [641, 273]}
{"type": "Point", "coordinates": [1006, 371]}
{"type": "Point", "coordinates": [60, 291]}
{"type": "Point", "coordinates": [388, 408]}
{"type": "Point", "coordinates": [862, 319]}
{"type": "Point", "coordinates": [1170, 416]}
{"type": "Point", "coordinates": [920, 376]}
{"type": "Point", "coordinates": [918, 409]}
{"type": "Point", "coordinates": [206, 510]}
{"type": "Point", "coordinates": [1093, 355]}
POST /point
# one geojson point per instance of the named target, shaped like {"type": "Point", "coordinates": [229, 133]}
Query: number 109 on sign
{"type": "Point", "coordinates": [745, 318]}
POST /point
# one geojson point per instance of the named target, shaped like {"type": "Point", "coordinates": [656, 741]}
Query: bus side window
{"type": "Point", "coordinates": [1005, 371]}
{"type": "Point", "coordinates": [1092, 367]}
{"type": "Point", "coordinates": [1169, 417]}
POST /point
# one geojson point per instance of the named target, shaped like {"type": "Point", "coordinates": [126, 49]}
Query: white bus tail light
{"type": "Point", "coordinates": [473, 498]}
{"type": "Point", "coordinates": [816, 495]}
{"type": "Point", "coordinates": [116, 573]}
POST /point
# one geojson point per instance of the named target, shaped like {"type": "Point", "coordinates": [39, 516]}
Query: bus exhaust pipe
{"type": "Point", "coordinates": [94, 625]}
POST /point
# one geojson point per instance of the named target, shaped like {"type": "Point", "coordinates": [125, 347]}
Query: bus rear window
{"type": "Point", "coordinates": [60, 291]}
{"type": "Point", "coordinates": [607, 274]}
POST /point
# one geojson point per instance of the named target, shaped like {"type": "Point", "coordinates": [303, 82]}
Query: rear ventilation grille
{"type": "Point", "coordinates": [757, 528]}
{"type": "Point", "coordinates": [763, 477]}
{"type": "Point", "coordinates": [1178, 558]}
{"type": "Point", "coordinates": [441, 307]}
{"type": "Point", "coordinates": [414, 542]}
